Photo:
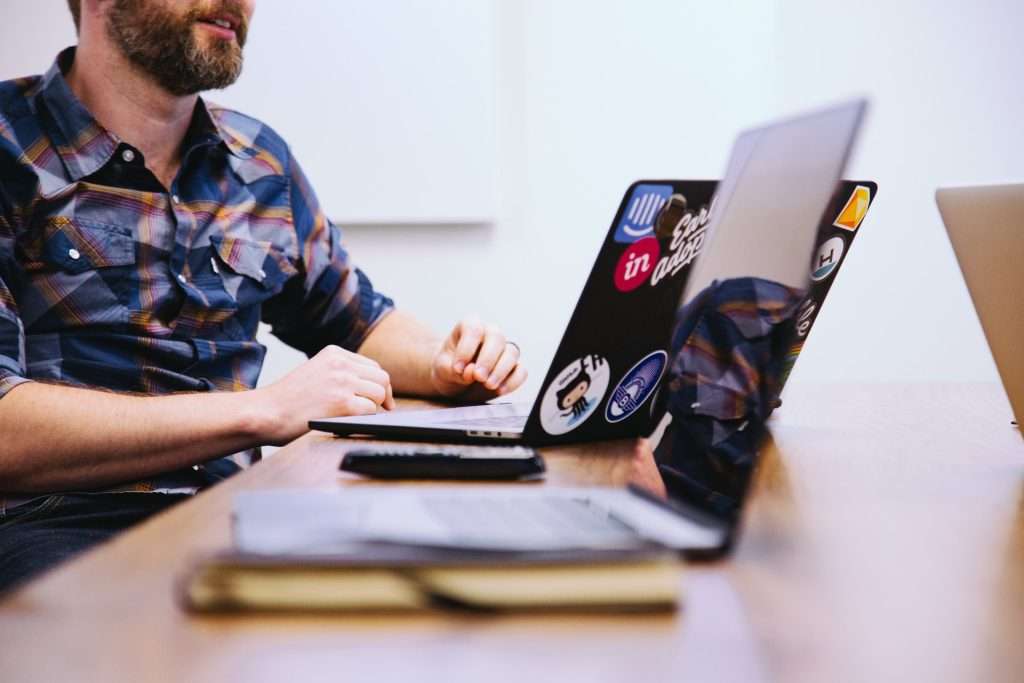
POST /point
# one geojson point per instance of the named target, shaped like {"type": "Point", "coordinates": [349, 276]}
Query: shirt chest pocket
{"type": "Point", "coordinates": [75, 246]}
{"type": "Point", "coordinates": [250, 271]}
{"type": "Point", "coordinates": [84, 272]}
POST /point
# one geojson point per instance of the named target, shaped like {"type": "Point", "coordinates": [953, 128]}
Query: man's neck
{"type": "Point", "coordinates": [128, 103]}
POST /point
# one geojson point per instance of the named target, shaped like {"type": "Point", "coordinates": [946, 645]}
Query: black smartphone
{"type": "Point", "coordinates": [444, 462]}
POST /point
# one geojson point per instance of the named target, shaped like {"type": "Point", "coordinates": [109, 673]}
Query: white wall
{"type": "Point", "coordinates": [591, 95]}
{"type": "Point", "coordinates": [395, 86]}
{"type": "Point", "coordinates": [948, 108]}
{"type": "Point", "coordinates": [31, 34]}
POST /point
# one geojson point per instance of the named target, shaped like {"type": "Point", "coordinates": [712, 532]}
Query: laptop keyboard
{"type": "Point", "coordinates": [555, 520]}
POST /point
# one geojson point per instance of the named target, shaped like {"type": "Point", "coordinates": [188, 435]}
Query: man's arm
{"type": "Point", "coordinates": [58, 437]}
{"type": "Point", "coordinates": [474, 363]}
{"type": "Point", "coordinates": [336, 303]}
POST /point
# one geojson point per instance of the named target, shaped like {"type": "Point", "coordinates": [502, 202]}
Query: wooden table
{"type": "Point", "coordinates": [884, 540]}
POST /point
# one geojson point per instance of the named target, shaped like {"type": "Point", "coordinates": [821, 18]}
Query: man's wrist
{"type": "Point", "coordinates": [434, 348]}
{"type": "Point", "coordinates": [256, 415]}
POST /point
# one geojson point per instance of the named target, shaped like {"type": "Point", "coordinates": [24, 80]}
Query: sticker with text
{"type": "Point", "coordinates": [636, 264]}
{"type": "Point", "coordinates": [635, 387]}
{"type": "Point", "coordinates": [805, 317]}
{"type": "Point", "coordinates": [827, 258]}
{"type": "Point", "coordinates": [641, 212]}
{"type": "Point", "coordinates": [856, 207]}
{"type": "Point", "coordinates": [687, 240]}
{"type": "Point", "coordinates": [574, 394]}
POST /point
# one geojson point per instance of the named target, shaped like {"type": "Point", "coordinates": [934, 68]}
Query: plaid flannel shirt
{"type": "Point", "coordinates": [108, 279]}
{"type": "Point", "coordinates": [730, 354]}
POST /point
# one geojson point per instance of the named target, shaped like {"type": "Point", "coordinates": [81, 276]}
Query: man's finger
{"type": "Point", "coordinates": [371, 373]}
{"type": "Point", "coordinates": [514, 381]}
{"type": "Point", "coordinates": [470, 334]}
{"type": "Point", "coordinates": [445, 372]}
{"type": "Point", "coordinates": [504, 367]}
{"type": "Point", "coordinates": [358, 405]}
{"type": "Point", "coordinates": [378, 393]}
{"type": "Point", "coordinates": [490, 350]}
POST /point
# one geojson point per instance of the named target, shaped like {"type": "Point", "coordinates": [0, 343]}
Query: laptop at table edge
{"type": "Point", "coordinates": [983, 221]}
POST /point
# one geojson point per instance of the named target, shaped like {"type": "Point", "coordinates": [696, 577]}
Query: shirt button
{"type": "Point", "coordinates": [128, 156]}
{"type": "Point", "coordinates": [176, 199]}
{"type": "Point", "coordinates": [74, 254]}
{"type": "Point", "coordinates": [182, 279]}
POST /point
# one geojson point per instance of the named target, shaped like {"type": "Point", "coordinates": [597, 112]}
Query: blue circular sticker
{"type": "Point", "coordinates": [827, 257]}
{"type": "Point", "coordinates": [635, 387]}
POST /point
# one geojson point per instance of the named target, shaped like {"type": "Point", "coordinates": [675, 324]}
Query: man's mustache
{"type": "Point", "coordinates": [231, 8]}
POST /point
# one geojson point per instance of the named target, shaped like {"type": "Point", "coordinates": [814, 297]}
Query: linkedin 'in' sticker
{"type": "Point", "coordinates": [574, 394]}
{"type": "Point", "coordinates": [635, 387]}
{"type": "Point", "coordinates": [827, 257]}
{"type": "Point", "coordinates": [636, 264]}
{"type": "Point", "coordinates": [641, 212]}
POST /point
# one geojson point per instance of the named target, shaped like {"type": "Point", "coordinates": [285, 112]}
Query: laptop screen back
{"type": "Point", "coordinates": [768, 205]}
{"type": "Point", "coordinates": [738, 314]}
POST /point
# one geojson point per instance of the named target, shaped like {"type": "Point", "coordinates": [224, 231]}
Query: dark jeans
{"type": "Point", "coordinates": [51, 529]}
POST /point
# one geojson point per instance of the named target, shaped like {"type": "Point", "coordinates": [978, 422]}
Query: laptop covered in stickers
{"type": "Point", "coordinates": [607, 371]}
{"type": "Point", "coordinates": [674, 260]}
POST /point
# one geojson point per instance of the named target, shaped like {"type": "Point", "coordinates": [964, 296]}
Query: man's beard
{"type": "Point", "coordinates": [165, 46]}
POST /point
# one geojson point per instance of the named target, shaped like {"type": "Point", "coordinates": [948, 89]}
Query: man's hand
{"type": "Point", "coordinates": [643, 470]}
{"type": "Point", "coordinates": [333, 383]}
{"type": "Point", "coordinates": [476, 363]}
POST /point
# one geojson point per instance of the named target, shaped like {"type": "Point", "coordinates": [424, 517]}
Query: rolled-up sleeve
{"type": "Point", "coordinates": [12, 331]}
{"type": "Point", "coordinates": [333, 302]}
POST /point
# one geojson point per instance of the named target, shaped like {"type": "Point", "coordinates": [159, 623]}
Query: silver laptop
{"type": "Point", "coordinates": [986, 227]}
{"type": "Point", "coordinates": [762, 220]}
{"type": "Point", "coordinates": [756, 231]}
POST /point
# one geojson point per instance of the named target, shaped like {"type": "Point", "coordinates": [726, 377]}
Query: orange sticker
{"type": "Point", "coordinates": [856, 206]}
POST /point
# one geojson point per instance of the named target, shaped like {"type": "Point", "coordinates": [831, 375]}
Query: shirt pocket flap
{"type": "Point", "coordinates": [259, 261]}
{"type": "Point", "coordinates": [77, 245]}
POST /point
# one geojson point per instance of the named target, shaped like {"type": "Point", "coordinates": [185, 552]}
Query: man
{"type": "Point", "coordinates": [144, 233]}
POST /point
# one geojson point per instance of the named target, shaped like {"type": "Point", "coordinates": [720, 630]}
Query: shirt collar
{"type": "Point", "coordinates": [85, 146]}
{"type": "Point", "coordinates": [207, 126]}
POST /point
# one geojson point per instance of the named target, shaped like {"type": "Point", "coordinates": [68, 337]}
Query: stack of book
{"type": "Point", "coordinates": [395, 577]}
